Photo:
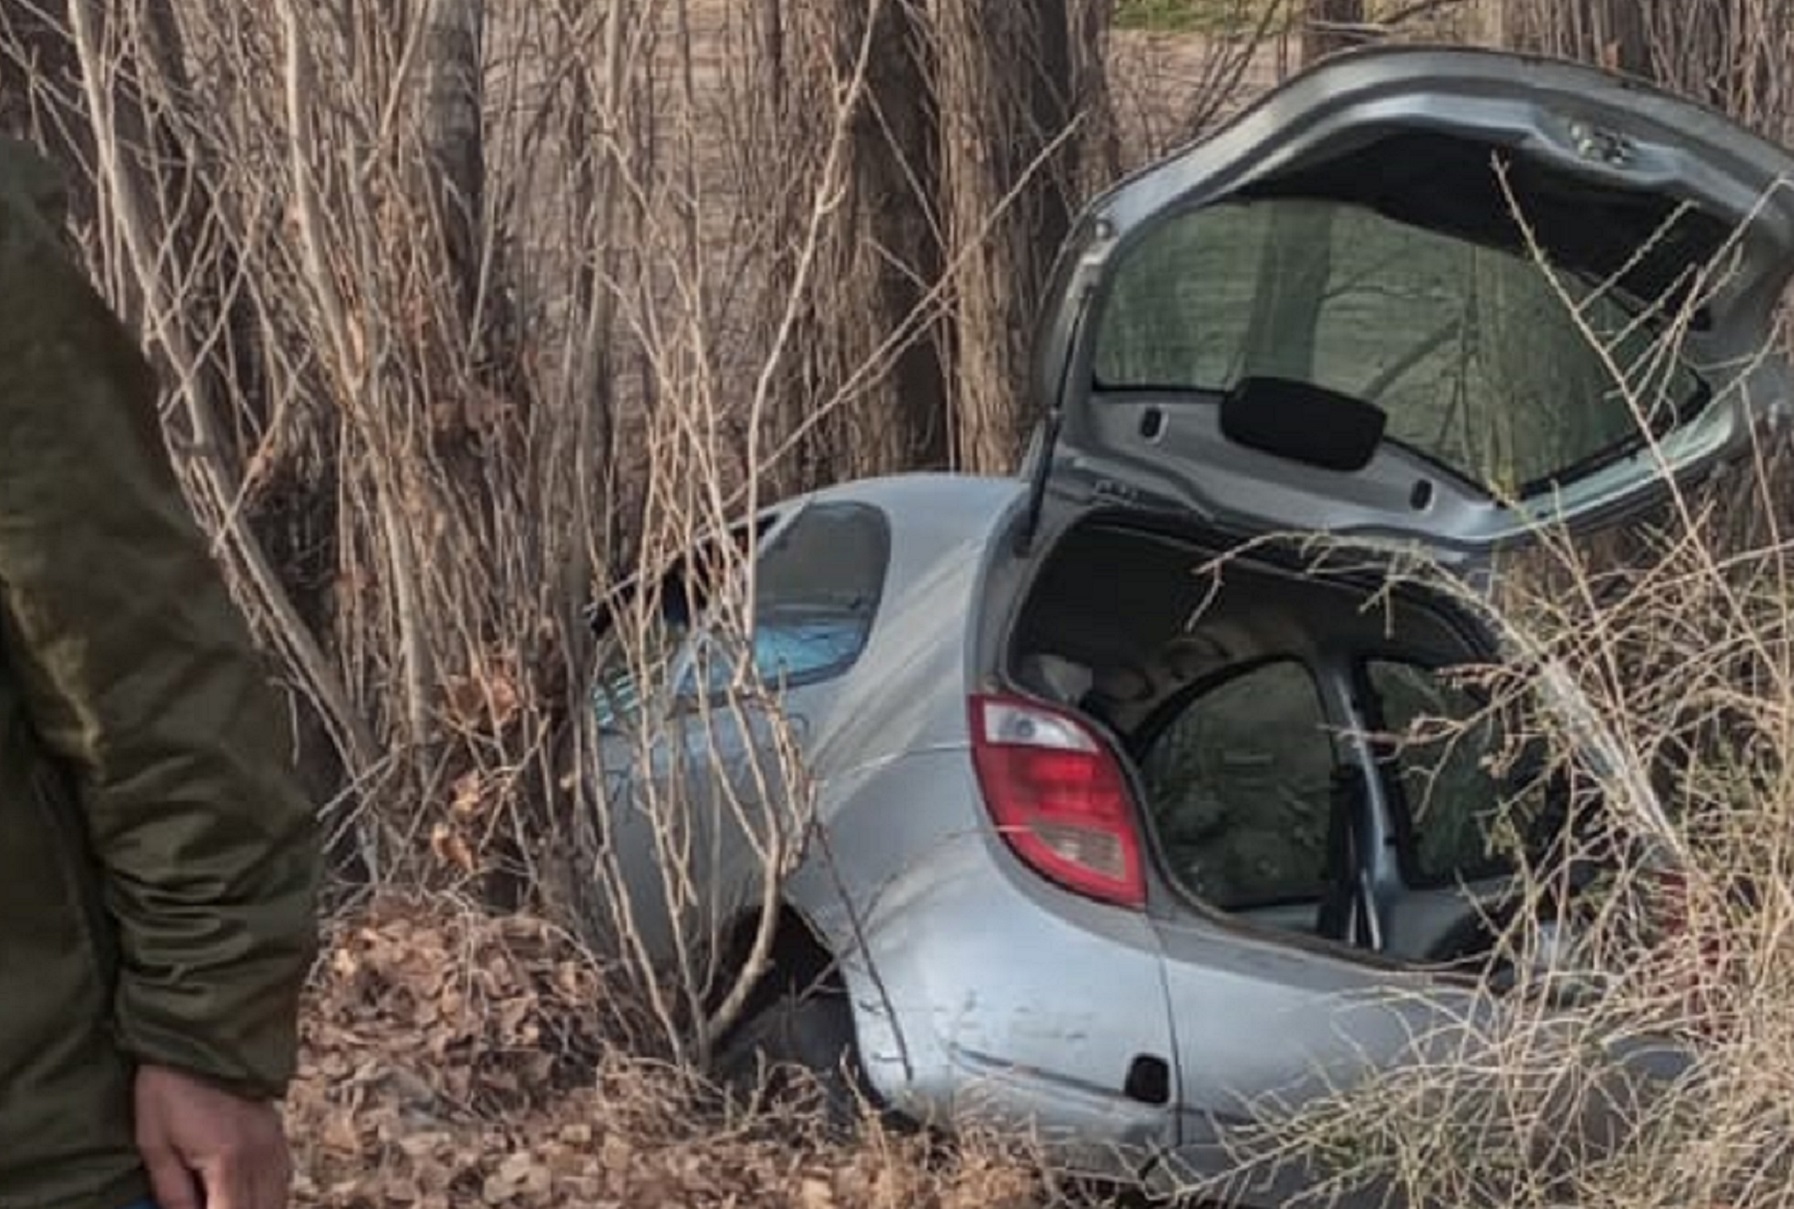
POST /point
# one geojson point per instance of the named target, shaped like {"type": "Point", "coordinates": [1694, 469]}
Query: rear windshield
{"type": "Point", "coordinates": [1471, 351]}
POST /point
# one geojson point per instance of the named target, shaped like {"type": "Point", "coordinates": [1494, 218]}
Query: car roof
{"type": "Point", "coordinates": [951, 506]}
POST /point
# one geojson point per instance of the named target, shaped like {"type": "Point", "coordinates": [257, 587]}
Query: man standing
{"type": "Point", "coordinates": [158, 865]}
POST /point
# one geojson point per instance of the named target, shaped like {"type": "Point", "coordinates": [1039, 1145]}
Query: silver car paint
{"type": "Point", "coordinates": [977, 989]}
{"type": "Point", "coordinates": [910, 847]}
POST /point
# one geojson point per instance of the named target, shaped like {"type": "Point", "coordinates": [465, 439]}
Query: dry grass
{"type": "Point", "coordinates": [1684, 662]}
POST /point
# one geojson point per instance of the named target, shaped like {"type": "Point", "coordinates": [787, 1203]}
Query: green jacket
{"type": "Point", "coordinates": [158, 865]}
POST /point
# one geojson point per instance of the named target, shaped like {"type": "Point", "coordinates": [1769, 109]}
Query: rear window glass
{"type": "Point", "coordinates": [1469, 350]}
{"type": "Point", "coordinates": [817, 589]}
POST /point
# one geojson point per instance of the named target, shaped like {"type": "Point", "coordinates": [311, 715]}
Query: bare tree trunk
{"type": "Point", "coordinates": [1624, 44]}
{"type": "Point", "coordinates": [1331, 26]}
{"type": "Point", "coordinates": [454, 158]}
{"type": "Point", "coordinates": [898, 177]}
{"type": "Point", "coordinates": [1609, 32]}
{"type": "Point", "coordinates": [864, 387]}
{"type": "Point", "coordinates": [1011, 90]}
{"type": "Point", "coordinates": [968, 158]}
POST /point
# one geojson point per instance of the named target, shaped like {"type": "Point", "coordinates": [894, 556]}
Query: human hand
{"type": "Point", "coordinates": [205, 1148]}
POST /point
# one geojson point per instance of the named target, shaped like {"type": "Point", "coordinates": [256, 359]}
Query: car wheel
{"type": "Point", "coordinates": [797, 1039]}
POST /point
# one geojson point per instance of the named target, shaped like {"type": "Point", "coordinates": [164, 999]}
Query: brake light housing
{"type": "Point", "coordinates": [1059, 797]}
{"type": "Point", "coordinates": [1697, 946]}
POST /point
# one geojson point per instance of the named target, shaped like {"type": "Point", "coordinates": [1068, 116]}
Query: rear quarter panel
{"type": "Point", "coordinates": [979, 990]}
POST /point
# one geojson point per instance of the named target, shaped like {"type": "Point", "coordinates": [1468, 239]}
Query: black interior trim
{"type": "Point", "coordinates": [1303, 422]}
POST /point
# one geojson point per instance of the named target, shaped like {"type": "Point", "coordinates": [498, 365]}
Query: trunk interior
{"type": "Point", "coordinates": [1249, 700]}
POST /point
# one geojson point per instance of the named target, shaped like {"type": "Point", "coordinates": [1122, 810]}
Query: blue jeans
{"type": "Point", "coordinates": [143, 1204]}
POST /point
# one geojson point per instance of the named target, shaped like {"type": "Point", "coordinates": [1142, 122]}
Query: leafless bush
{"type": "Point", "coordinates": [423, 276]}
{"type": "Point", "coordinates": [708, 761]}
{"type": "Point", "coordinates": [1168, 91]}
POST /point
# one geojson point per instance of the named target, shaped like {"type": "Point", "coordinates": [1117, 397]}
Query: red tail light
{"type": "Point", "coordinates": [1059, 797]}
{"type": "Point", "coordinates": [1674, 922]}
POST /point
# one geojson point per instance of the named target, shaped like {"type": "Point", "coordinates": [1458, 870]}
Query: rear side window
{"type": "Point", "coordinates": [1239, 787]}
{"type": "Point", "coordinates": [679, 592]}
{"type": "Point", "coordinates": [1451, 808]}
{"type": "Point", "coordinates": [817, 589]}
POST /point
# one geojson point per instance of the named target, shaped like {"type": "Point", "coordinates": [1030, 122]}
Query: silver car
{"type": "Point", "coordinates": [1105, 841]}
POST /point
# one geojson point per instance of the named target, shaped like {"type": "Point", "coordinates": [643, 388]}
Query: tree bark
{"type": "Point", "coordinates": [864, 387]}
{"type": "Point", "coordinates": [1011, 90]}
{"type": "Point", "coordinates": [1612, 33]}
{"type": "Point", "coordinates": [1331, 26]}
{"type": "Point", "coordinates": [454, 155]}
{"type": "Point", "coordinates": [968, 159]}
{"type": "Point", "coordinates": [899, 183]}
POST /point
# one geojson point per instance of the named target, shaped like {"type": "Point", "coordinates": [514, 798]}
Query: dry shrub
{"type": "Point", "coordinates": [1166, 89]}
{"type": "Point", "coordinates": [454, 1057]}
{"type": "Point", "coordinates": [468, 311]}
{"type": "Point", "coordinates": [1685, 661]}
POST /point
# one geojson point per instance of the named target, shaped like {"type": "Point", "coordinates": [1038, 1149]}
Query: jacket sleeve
{"type": "Point", "coordinates": [140, 676]}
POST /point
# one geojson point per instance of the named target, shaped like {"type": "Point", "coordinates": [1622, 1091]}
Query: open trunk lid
{"type": "Point", "coordinates": [1423, 296]}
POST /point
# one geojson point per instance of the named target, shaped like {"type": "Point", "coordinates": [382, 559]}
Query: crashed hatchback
{"type": "Point", "coordinates": [1104, 841]}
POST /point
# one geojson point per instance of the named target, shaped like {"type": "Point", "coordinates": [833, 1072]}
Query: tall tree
{"type": "Point", "coordinates": [968, 156]}
{"type": "Point", "coordinates": [1610, 32]}
{"type": "Point", "coordinates": [874, 304]}
{"type": "Point", "coordinates": [1018, 84]}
